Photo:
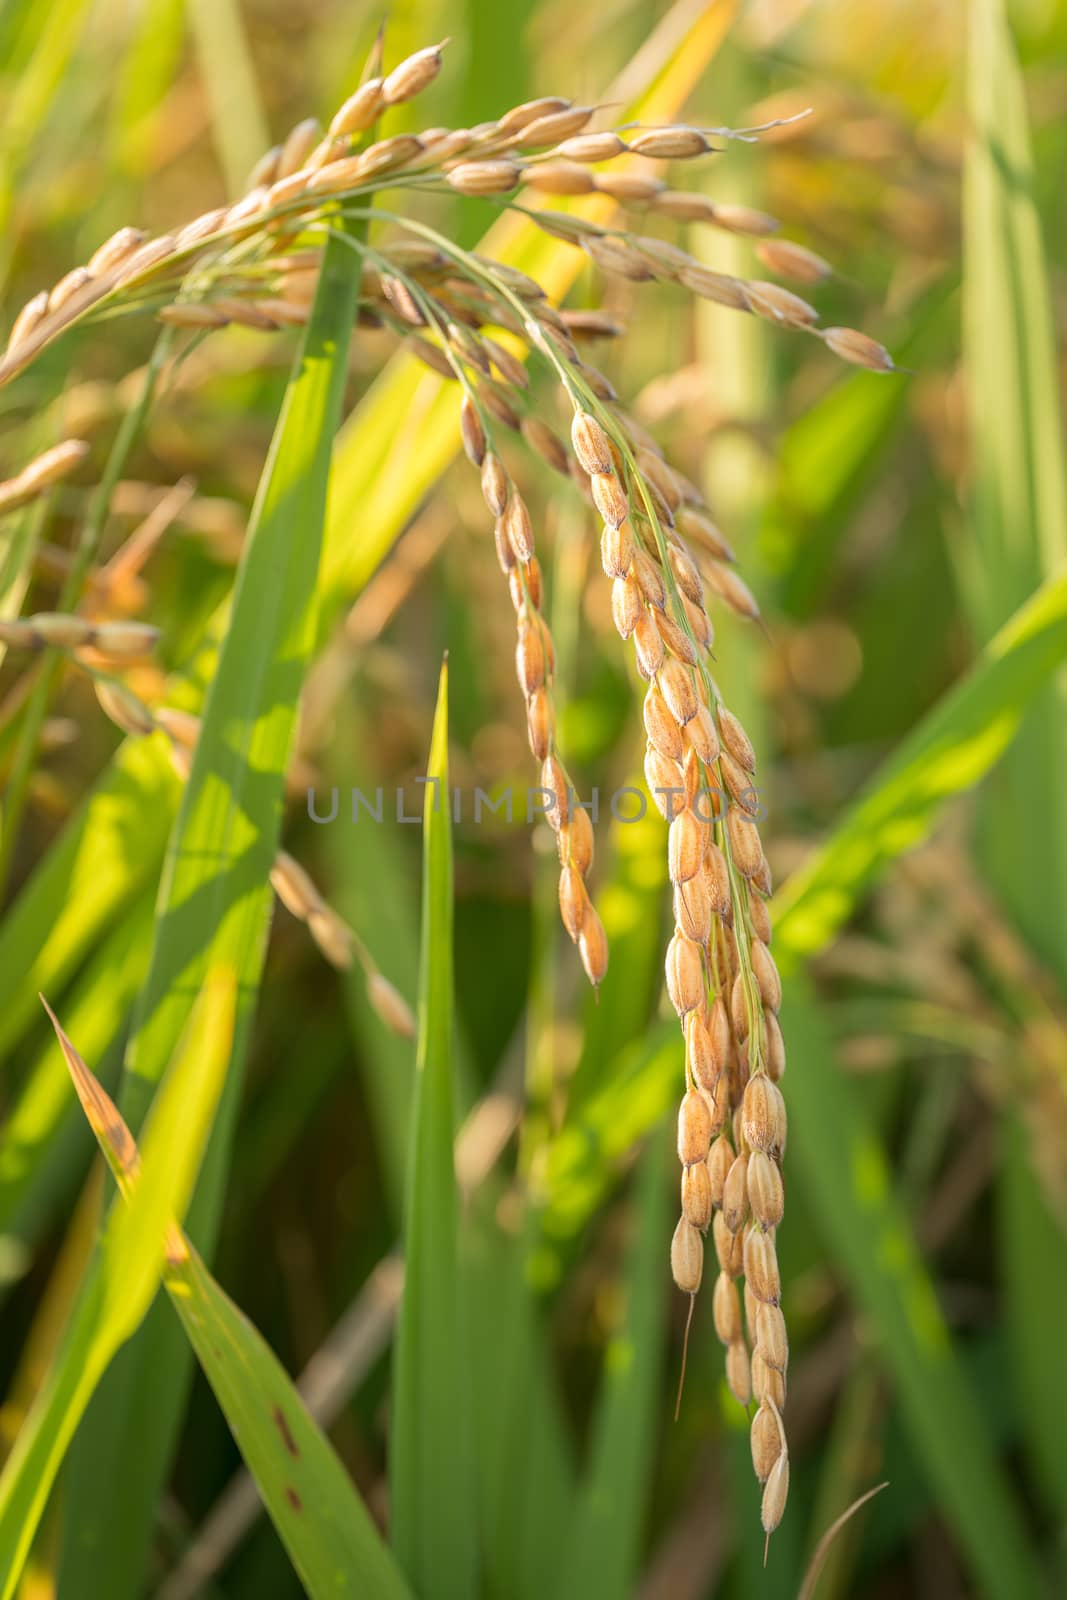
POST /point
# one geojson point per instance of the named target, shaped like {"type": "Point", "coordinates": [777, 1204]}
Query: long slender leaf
{"type": "Point", "coordinates": [954, 746]}
{"type": "Point", "coordinates": [126, 1272]}
{"type": "Point", "coordinates": [319, 1517]}
{"type": "Point", "coordinates": [1020, 520]}
{"type": "Point", "coordinates": [214, 905]}
{"type": "Point", "coordinates": [604, 1541]}
{"type": "Point", "coordinates": [431, 1471]}
{"type": "Point", "coordinates": [843, 1170]}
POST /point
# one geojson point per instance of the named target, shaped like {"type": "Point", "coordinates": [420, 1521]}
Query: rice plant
{"type": "Point", "coordinates": [230, 574]}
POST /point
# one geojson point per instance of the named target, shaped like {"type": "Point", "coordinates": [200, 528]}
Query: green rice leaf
{"type": "Point", "coordinates": [431, 1472]}
{"type": "Point", "coordinates": [606, 1532]}
{"type": "Point", "coordinates": [954, 746]}
{"type": "Point", "coordinates": [1019, 504]}
{"type": "Point", "coordinates": [846, 1180]}
{"type": "Point", "coordinates": [215, 902]}
{"type": "Point", "coordinates": [319, 1517]}
{"type": "Point", "coordinates": [126, 1271]}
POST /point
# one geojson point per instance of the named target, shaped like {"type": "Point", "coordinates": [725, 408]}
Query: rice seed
{"type": "Point", "coordinates": [581, 841]}
{"type": "Point", "coordinates": [626, 606]}
{"type": "Point", "coordinates": [859, 349]}
{"type": "Point", "coordinates": [519, 528]}
{"type": "Point", "coordinates": [616, 552]}
{"type": "Point", "coordinates": [360, 111]}
{"type": "Point", "coordinates": [530, 576]}
{"type": "Point", "coordinates": [692, 909]}
{"type": "Point", "coordinates": [484, 177]}
{"type": "Point", "coordinates": [685, 979]}
{"type": "Point", "coordinates": [593, 947]}
{"type": "Point", "coordinates": [745, 847]}
{"type": "Point", "coordinates": [687, 1256]}
{"type": "Point", "coordinates": [676, 639]}
{"type": "Point", "coordinates": [412, 76]}
{"type": "Point", "coordinates": [494, 484]}
{"type": "Point", "coordinates": [390, 1006]}
{"type": "Point", "coordinates": [685, 845]}
{"type": "Point", "coordinates": [648, 645]}
{"type": "Point", "coordinates": [592, 147]}
{"type": "Point", "coordinates": [509, 367]}
{"type": "Point", "coordinates": [530, 659]}
{"type": "Point", "coordinates": [540, 723]}
{"type": "Point", "coordinates": [765, 972]}
{"type": "Point", "coordinates": [123, 708]}
{"type": "Point", "coordinates": [765, 1440]}
{"type": "Point", "coordinates": [676, 686]}
{"type": "Point", "coordinates": [472, 431]}
{"type": "Point", "coordinates": [771, 1338]}
{"type": "Point", "coordinates": [41, 473]}
{"type": "Point", "coordinates": [701, 734]}
{"type": "Point", "coordinates": [737, 1371]}
{"type": "Point", "coordinates": [726, 1310]}
{"type": "Point", "coordinates": [791, 260]}
{"type": "Point", "coordinates": [735, 1194]}
{"type": "Point", "coordinates": [720, 1160]}
{"type": "Point", "coordinates": [125, 639]}
{"type": "Point", "coordinates": [541, 438]}
{"type": "Point", "coordinates": [768, 1384]}
{"type": "Point", "coordinates": [744, 219]}
{"type": "Point", "coordinates": [610, 498]}
{"type": "Point", "coordinates": [663, 778]}
{"type": "Point", "coordinates": [554, 126]}
{"type": "Point", "coordinates": [298, 145]}
{"type": "Point", "coordinates": [695, 525]}
{"type": "Point", "coordinates": [32, 313]}
{"type": "Point", "coordinates": [775, 1494]}
{"type": "Point", "coordinates": [695, 1128]}
{"type": "Point", "coordinates": [669, 144]}
{"type": "Point", "coordinates": [763, 1115]}
{"type": "Point", "coordinates": [736, 740]}
{"type": "Point", "coordinates": [591, 444]}
{"type": "Point", "coordinates": [632, 188]}
{"type": "Point", "coordinates": [764, 1187]}
{"type": "Point", "coordinates": [662, 730]}
{"type": "Point", "coordinates": [696, 1195]}
{"type": "Point", "coordinates": [761, 1264]}
{"type": "Point", "coordinates": [559, 178]}
{"type": "Point", "coordinates": [573, 901]}
{"type": "Point", "coordinates": [520, 117]}
{"type": "Point", "coordinates": [113, 252]}
{"type": "Point", "coordinates": [775, 304]}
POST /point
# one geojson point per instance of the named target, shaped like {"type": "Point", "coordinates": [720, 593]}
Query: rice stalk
{"type": "Point", "coordinates": [490, 327]}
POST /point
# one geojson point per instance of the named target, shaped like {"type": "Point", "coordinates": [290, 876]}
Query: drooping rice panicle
{"type": "Point", "coordinates": [479, 323]}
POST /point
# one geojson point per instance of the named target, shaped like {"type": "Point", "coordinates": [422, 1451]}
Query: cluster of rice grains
{"type": "Point", "coordinates": [477, 321]}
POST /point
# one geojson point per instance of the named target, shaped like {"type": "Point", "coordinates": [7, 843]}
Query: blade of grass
{"type": "Point", "coordinates": [315, 1509]}
{"type": "Point", "coordinates": [215, 901]}
{"type": "Point", "coordinates": [317, 1513]}
{"type": "Point", "coordinates": [954, 746]}
{"type": "Point", "coordinates": [125, 1273]}
{"type": "Point", "coordinates": [107, 854]}
{"type": "Point", "coordinates": [605, 1537]}
{"type": "Point", "coordinates": [524, 1456]}
{"type": "Point", "coordinates": [1019, 503]}
{"type": "Point", "coordinates": [845, 1175]}
{"type": "Point", "coordinates": [242, 133]}
{"type": "Point", "coordinates": [38, 1159]}
{"type": "Point", "coordinates": [431, 1468]}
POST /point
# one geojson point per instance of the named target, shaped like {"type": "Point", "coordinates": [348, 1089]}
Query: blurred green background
{"type": "Point", "coordinates": [890, 527]}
